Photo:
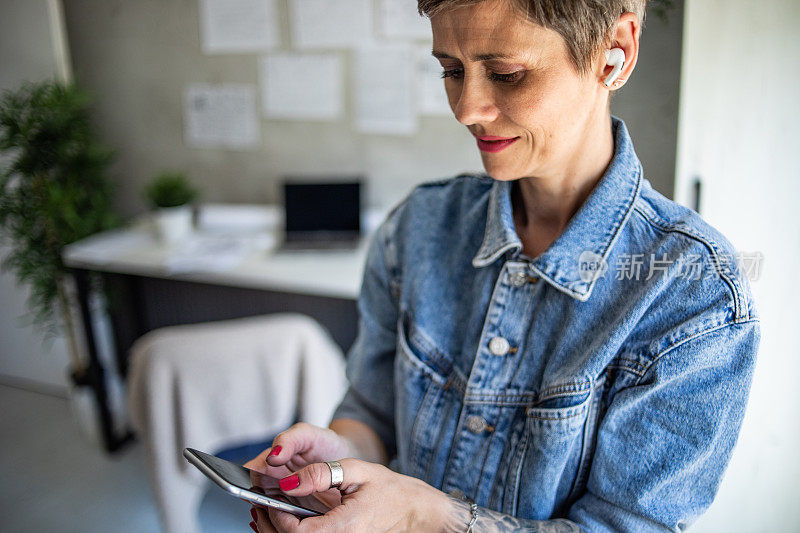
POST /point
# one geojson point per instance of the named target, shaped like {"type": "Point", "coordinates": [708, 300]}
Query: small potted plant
{"type": "Point", "coordinates": [171, 196]}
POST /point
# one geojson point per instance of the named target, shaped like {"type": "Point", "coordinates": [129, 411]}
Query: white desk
{"type": "Point", "coordinates": [322, 284]}
{"type": "Point", "coordinates": [136, 251]}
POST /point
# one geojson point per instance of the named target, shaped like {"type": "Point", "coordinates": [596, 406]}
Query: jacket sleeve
{"type": "Point", "coordinates": [370, 361]}
{"type": "Point", "coordinates": [664, 443]}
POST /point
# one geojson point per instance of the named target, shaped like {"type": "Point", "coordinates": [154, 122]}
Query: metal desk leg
{"type": "Point", "coordinates": [93, 374]}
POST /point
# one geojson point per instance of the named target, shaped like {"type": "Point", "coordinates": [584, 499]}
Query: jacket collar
{"type": "Point", "coordinates": [578, 257]}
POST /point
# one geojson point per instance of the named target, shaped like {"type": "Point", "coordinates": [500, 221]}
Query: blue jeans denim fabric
{"type": "Point", "coordinates": [603, 381]}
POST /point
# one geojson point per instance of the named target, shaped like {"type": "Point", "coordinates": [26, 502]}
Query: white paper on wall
{"type": "Point", "coordinates": [430, 85]}
{"type": "Point", "coordinates": [302, 86]}
{"type": "Point", "coordinates": [400, 19]}
{"type": "Point", "coordinates": [384, 89]}
{"type": "Point", "coordinates": [236, 26]}
{"type": "Point", "coordinates": [330, 23]}
{"type": "Point", "coordinates": [221, 116]}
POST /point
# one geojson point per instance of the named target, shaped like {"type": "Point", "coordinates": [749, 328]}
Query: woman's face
{"type": "Point", "coordinates": [510, 79]}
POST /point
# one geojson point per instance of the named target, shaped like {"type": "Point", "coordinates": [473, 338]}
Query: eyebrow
{"type": "Point", "coordinates": [479, 57]}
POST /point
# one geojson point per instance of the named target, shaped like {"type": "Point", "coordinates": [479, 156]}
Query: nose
{"type": "Point", "coordinates": [475, 102]}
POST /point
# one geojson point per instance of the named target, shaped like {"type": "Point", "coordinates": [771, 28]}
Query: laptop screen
{"type": "Point", "coordinates": [322, 207]}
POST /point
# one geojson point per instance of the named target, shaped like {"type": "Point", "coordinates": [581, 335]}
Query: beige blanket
{"type": "Point", "coordinates": [216, 385]}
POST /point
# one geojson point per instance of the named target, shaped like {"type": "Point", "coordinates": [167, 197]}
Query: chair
{"type": "Point", "coordinates": [215, 385]}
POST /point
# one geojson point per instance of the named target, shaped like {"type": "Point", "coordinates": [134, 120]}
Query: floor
{"type": "Point", "coordinates": [54, 480]}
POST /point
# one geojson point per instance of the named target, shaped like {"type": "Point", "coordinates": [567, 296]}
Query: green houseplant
{"type": "Point", "coordinates": [53, 191]}
{"type": "Point", "coordinates": [170, 189]}
{"type": "Point", "coordinates": [170, 194]}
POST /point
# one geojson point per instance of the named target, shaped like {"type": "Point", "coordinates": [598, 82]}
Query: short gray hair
{"type": "Point", "coordinates": [585, 25]}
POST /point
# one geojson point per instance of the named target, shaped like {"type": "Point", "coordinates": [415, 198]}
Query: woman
{"type": "Point", "coordinates": [553, 346]}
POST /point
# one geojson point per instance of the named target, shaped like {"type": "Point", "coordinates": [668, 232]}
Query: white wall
{"type": "Point", "coordinates": [26, 53]}
{"type": "Point", "coordinates": [739, 130]}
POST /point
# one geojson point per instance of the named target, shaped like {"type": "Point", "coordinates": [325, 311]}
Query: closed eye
{"type": "Point", "coordinates": [458, 73]}
{"type": "Point", "coordinates": [506, 78]}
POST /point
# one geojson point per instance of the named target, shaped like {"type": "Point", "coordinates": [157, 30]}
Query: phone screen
{"type": "Point", "coordinates": [247, 479]}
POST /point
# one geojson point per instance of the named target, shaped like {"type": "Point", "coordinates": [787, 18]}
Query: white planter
{"type": "Point", "coordinates": [173, 224]}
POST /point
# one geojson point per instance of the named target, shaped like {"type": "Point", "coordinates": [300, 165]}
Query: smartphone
{"type": "Point", "coordinates": [253, 486]}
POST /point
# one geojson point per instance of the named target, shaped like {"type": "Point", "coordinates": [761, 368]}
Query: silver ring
{"type": "Point", "coordinates": [337, 474]}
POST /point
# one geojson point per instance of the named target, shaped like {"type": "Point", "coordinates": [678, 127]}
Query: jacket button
{"type": "Point", "coordinates": [518, 279]}
{"type": "Point", "coordinates": [476, 424]}
{"type": "Point", "coordinates": [499, 346]}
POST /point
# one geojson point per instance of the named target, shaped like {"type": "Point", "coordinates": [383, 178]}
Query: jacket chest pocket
{"type": "Point", "coordinates": [550, 461]}
{"type": "Point", "coordinates": [422, 410]}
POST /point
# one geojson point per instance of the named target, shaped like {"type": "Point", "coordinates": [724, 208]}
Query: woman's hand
{"type": "Point", "coordinates": [300, 445]}
{"type": "Point", "coordinates": [374, 499]}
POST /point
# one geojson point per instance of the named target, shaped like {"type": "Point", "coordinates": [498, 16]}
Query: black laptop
{"type": "Point", "coordinates": [321, 215]}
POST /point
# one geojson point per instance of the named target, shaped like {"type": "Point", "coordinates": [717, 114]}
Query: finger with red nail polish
{"type": "Point", "coordinates": [289, 483]}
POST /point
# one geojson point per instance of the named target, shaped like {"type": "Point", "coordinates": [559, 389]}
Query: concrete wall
{"type": "Point", "coordinates": [648, 103]}
{"type": "Point", "coordinates": [136, 57]}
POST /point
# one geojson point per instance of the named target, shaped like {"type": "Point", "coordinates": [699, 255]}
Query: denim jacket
{"type": "Point", "coordinates": [603, 381]}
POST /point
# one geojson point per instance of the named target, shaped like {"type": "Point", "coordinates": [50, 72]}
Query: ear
{"type": "Point", "coordinates": [624, 35]}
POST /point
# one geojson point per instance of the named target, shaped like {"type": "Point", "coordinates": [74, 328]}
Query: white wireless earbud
{"type": "Point", "coordinates": [616, 58]}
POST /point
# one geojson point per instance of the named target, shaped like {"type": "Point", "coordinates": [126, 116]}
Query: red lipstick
{"type": "Point", "coordinates": [493, 143]}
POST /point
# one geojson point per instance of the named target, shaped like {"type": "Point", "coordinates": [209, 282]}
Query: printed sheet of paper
{"type": "Point", "coordinates": [236, 26]}
{"type": "Point", "coordinates": [431, 95]}
{"type": "Point", "coordinates": [302, 86]}
{"type": "Point", "coordinates": [330, 23]}
{"type": "Point", "coordinates": [400, 19]}
{"type": "Point", "coordinates": [215, 252]}
{"type": "Point", "coordinates": [221, 116]}
{"type": "Point", "coordinates": [384, 90]}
